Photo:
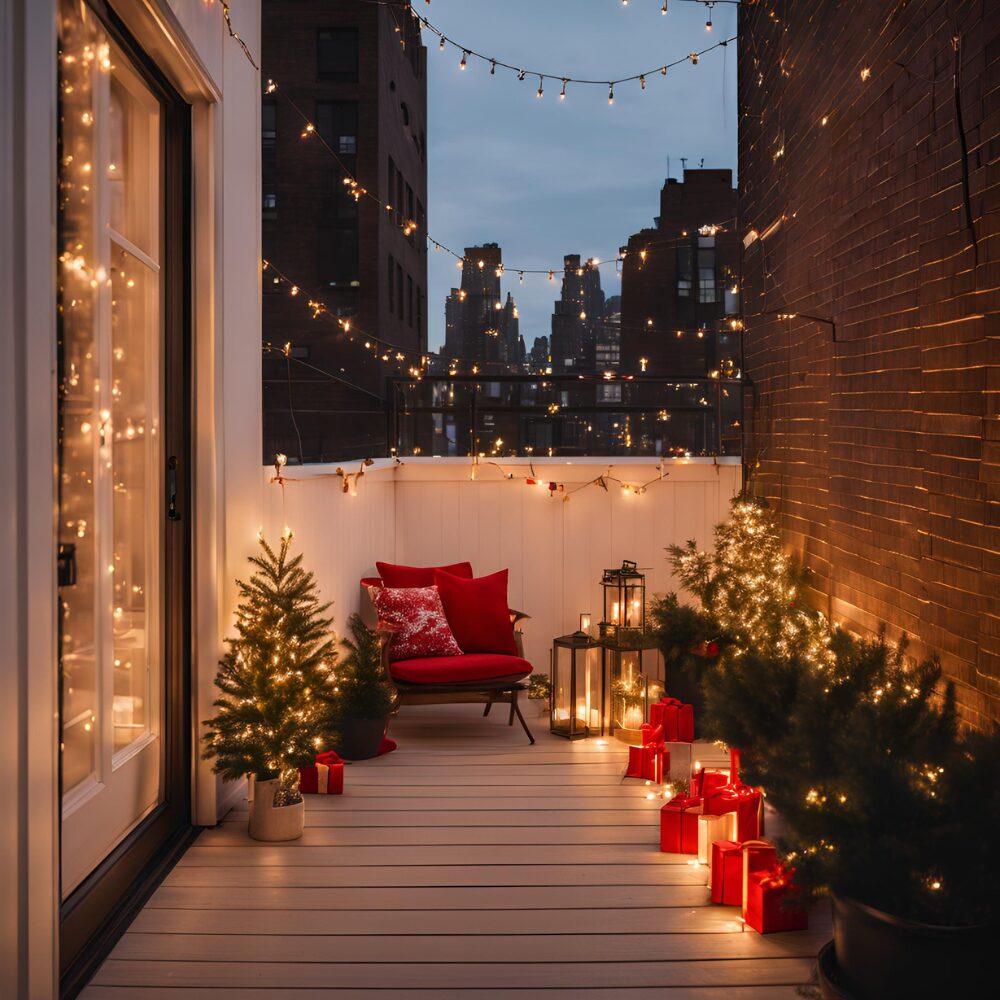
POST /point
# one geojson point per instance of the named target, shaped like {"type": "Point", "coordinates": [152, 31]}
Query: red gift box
{"type": "Point", "coordinates": [773, 902]}
{"type": "Point", "coordinates": [676, 718]}
{"type": "Point", "coordinates": [679, 825]}
{"type": "Point", "coordinates": [727, 873]}
{"type": "Point", "coordinates": [325, 777]}
{"type": "Point", "coordinates": [734, 764]}
{"type": "Point", "coordinates": [757, 856]}
{"type": "Point", "coordinates": [706, 783]}
{"type": "Point", "coordinates": [741, 799]}
{"type": "Point", "coordinates": [649, 760]}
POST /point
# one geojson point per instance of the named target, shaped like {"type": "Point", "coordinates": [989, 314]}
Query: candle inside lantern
{"type": "Point", "coordinates": [584, 621]}
{"type": "Point", "coordinates": [595, 719]}
{"type": "Point", "coordinates": [615, 612]}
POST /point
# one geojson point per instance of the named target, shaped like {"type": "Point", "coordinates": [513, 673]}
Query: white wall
{"type": "Point", "coordinates": [429, 511]}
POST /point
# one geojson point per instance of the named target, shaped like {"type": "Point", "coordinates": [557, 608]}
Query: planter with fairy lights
{"type": "Point", "coordinates": [578, 690]}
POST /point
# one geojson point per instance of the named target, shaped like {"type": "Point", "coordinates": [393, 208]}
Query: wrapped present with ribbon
{"type": "Point", "coordinates": [676, 718]}
{"type": "Point", "coordinates": [325, 777]}
{"type": "Point", "coordinates": [711, 829]}
{"type": "Point", "coordinates": [707, 781]}
{"type": "Point", "coordinates": [773, 902]}
{"type": "Point", "coordinates": [735, 759]}
{"type": "Point", "coordinates": [758, 855]}
{"type": "Point", "coordinates": [679, 825]}
{"type": "Point", "coordinates": [740, 799]}
{"type": "Point", "coordinates": [651, 759]}
{"type": "Point", "coordinates": [726, 872]}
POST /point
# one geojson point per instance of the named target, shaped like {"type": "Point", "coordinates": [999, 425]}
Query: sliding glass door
{"type": "Point", "coordinates": [122, 450]}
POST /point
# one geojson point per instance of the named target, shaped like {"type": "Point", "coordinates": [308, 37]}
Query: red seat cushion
{"type": "Point", "coordinates": [459, 669]}
{"type": "Point", "coordinates": [418, 576]}
{"type": "Point", "coordinates": [477, 612]}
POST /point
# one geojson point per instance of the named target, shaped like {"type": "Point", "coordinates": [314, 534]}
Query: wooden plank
{"type": "Point", "coordinates": [223, 875]}
{"type": "Point", "coordinates": [446, 836]}
{"type": "Point", "coordinates": [503, 854]}
{"type": "Point", "coordinates": [429, 898]}
{"type": "Point", "coordinates": [494, 819]}
{"type": "Point", "coordinates": [458, 975]}
{"type": "Point", "coordinates": [633, 920]}
{"type": "Point", "coordinates": [415, 946]}
{"type": "Point", "coordinates": [412, 810]}
{"type": "Point", "coordinates": [322, 993]}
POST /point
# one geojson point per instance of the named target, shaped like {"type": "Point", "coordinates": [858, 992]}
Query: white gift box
{"type": "Point", "coordinates": [712, 828]}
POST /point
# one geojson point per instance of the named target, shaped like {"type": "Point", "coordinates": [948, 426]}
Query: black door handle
{"type": "Point", "coordinates": [173, 514]}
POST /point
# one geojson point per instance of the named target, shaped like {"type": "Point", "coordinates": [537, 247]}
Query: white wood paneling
{"type": "Point", "coordinates": [554, 548]}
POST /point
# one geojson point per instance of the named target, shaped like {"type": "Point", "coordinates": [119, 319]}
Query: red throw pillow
{"type": "Point", "coordinates": [418, 576]}
{"type": "Point", "coordinates": [417, 615]}
{"type": "Point", "coordinates": [477, 612]}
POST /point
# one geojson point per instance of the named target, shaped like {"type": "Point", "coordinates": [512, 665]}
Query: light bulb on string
{"type": "Point", "coordinates": [611, 93]}
{"type": "Point", "coordinates": [663, 9]}
{"type": "Point", "coordinates": [562, 93]}
{"type": "Point", "coordinates": [642, 82]}
{"type": "Point", "coordinates": [464, 61]}
{"type": "Point", "coordinates": [493, 67]}
{"type": "Point", "coordinates": [541, 91]}
{"type": "Point", "coordinates": [520, 74]}
{"type": "Point", "coordinates": [441, 43]}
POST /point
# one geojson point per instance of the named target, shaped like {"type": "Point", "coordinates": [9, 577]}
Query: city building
{"type": "Point", "coordinates": [354, 72]}
{"type": "Point", "coordinates": [608, 336]}
{"type": "Point", "coordinates": [480, 325]}
{"type": "Point", "coordinates": [575, 316]}
{"type": "Point", "coordinates": [680, 280]}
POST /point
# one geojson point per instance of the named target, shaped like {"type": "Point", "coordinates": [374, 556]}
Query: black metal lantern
{"type": "Point", "coordinates": [578, 689]}
{"type": "Point", "coordinates": [624, 600]}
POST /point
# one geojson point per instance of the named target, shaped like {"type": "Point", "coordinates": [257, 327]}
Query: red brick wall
{"type": "Point", "coordinates": [880, 448]}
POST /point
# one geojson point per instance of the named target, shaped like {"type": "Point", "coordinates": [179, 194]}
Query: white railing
{"type": "Point", "coordinates": [427, 511]}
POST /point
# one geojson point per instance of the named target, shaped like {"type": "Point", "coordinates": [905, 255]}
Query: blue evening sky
{"type": "Point", "coordinates": [544, 177]}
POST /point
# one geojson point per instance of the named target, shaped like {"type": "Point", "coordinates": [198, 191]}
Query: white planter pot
{"type": "Point", "coordinates": [274, 823]}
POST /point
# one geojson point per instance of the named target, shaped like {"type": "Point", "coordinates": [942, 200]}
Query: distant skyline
{"type": "Point", "coordinates": [544, 177]}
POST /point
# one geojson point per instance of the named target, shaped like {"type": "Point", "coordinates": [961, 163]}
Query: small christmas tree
{"type": "Point", "coordinates": [750, 597]}
{"type": "Point", "coordinates": [365, 693]}
{"type": "Point", "coordinates": [278, 698]}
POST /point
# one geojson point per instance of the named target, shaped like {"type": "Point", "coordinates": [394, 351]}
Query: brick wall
{"type": "Point", "coordinates": [878, 439]}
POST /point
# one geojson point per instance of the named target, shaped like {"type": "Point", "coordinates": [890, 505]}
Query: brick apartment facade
{"type": "Point", "coordinates": [343, 65]}
{"type": "Point", "coordinates": [878, 439]}
{"type": "Point", "coordinates": [677, 279]}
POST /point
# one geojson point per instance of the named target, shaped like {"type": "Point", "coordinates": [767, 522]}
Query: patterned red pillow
{"type": "Point", "coordinates": [417, 615]}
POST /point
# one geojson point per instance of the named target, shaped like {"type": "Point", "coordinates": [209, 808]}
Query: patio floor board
{"type": "Point", "coordinates": [465, 863]}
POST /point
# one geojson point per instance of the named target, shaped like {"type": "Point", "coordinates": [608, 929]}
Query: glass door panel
{"type": "Point", "coordinates": [111, 467]}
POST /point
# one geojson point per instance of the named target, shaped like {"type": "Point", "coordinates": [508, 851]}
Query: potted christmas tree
{"type": "Point", "coordinates": [885, 805]}
{"type": "Point", "coordinates": [278, 698]}
{"type": "Point", "coordinates": [366, 698]}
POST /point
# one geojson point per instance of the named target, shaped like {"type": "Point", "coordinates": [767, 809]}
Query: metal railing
{"type": "Point", "coordinates": [460, 415]}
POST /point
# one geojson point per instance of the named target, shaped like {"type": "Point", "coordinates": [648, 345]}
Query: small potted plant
{"type": "Point", "coordinates": [366, 697]}
{"type": "Point", "coordinates": [277, 697]}
{"type": "Point", "coordinates": [540, 691]}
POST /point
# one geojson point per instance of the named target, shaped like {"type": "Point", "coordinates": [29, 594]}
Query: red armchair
{"type": "Point", "coordinates": [482, 677]}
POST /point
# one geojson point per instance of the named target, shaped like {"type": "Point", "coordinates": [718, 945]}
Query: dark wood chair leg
{"type": "Point", "coordinates": [489, 705]}
{"type": "Point", "coordinates": [516, 709]}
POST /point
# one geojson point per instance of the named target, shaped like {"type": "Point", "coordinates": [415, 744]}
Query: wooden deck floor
{"type": "Point", "coordinates": [465, 863]}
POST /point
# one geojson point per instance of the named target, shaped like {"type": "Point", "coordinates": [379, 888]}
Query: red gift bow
{"type": "Point", "coordinates": [776, 877]}
{"type": "Point", "coordinates": [328, 757]}
{"type": "Point", "coordinates": [742, 799]}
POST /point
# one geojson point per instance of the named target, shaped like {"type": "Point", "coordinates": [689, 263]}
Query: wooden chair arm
{"type": "Point", "coordinates": [517, 616]}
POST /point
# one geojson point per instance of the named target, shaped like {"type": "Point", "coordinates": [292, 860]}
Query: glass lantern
{"type": "Point", "coordinates": [629, 662]}
{"type": "Point", "coordinates": [578, 690]}
{"type": "Point", "coordinates": [624, 600]}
